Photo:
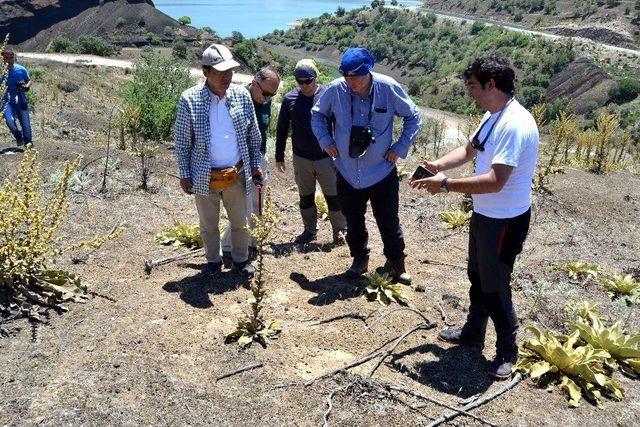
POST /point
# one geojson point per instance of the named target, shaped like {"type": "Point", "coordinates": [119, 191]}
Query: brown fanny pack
{"type": "Point", "coordinates": [221, 179]}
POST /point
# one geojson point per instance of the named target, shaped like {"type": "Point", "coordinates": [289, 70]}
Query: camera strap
{"type": "Point", "coordinates": [371, 97]}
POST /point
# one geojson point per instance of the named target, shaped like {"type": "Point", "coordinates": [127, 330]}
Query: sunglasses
{"type": "Point", "coordinates": [264, 92]}
{"type": "Point", "coordinates": [305, 81]}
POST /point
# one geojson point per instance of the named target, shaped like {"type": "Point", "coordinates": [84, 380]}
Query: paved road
{"type": "Point", "coordinates": [90, 60]}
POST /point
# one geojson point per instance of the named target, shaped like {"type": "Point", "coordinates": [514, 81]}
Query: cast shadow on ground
{"type": "Point", "coordinates": [8, 150]}
{"type": "Point", "coordinates": [286, 249]}
{"type": "Point", "coordinates": [195, 290]}
{"type": "Point", "coordinates": [459, 370]}
{"type": "Point", "coordinates": [330, 288]}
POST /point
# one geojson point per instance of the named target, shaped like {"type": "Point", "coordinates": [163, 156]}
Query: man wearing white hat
{"type": "Point", "coordinates": [217, 144]}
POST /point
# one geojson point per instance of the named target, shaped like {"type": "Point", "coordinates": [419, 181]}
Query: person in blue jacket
{"type": "Point", "coordinates": [362, 105]}
{"type": "Point", "coordinates": [15, 107]}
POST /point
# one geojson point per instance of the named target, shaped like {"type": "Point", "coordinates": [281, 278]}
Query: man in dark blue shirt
{"type": "Point", "coordinates": [310, 163]}
{"type": "Point", "coordinates": [14, 100]}
{"type": "Point", "coordinates": [363, 105]}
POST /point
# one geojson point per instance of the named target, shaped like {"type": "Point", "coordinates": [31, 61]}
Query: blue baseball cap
{"type": "Point", "coordinates": [356, 61]}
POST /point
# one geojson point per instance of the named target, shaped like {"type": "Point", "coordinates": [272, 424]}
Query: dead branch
{"type": "Point", "coordinates": [103, 187]}
{"type": "Point", "coordinates": [448, 417]}
{"type": "Point", "coordinates": [239, 371]}
{"type": "Point", "coordinates": [344, 368]}
{"type": "Point", "coordinates": [397, 343]}
{"type": "Point", "coordinates": [443, 313]}
{"type": "Point", "coordinates": [436, 262]}
{"type": "Point", "coordinates": [84, 257]}
{"type": "Point", "coordinates": [150, 264]}
{"type": "Point", "coordinates": [352, 314]}
{"type": "Point", "coordinates": [469, 399]}
{"type": "Point", "coordinates": [424, 317]}
{"type": "Point", "coordinates": [432, 400]}
{"type": "Point", "coordinates": [325, 417]}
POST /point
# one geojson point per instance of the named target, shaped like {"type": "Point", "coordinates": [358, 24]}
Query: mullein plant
{"type": "Point", "coordinates": [252, 327]}
{"type": "Point", "coordinates": [29, 244]}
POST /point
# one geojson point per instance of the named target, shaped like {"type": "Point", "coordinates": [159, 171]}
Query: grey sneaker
{"type": "Point", "coordinates": [454, 336]}
{"type": "Point", "coordinates": [501, 368]}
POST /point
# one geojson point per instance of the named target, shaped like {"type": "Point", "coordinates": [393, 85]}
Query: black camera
{"type": "Point", "coordinates": [359, 140]}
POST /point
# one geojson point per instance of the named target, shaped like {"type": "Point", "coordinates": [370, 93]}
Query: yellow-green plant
{"type": "Point", "coordinates": [563, 132]}
{"type": "Point", "coordinates": [455, 219]}
{"type": "Point", "coordinates": [607, 125]}
{"type": "Point", "coordinates": [580, 270]}
{"type": "Point", "coordinates": [580, 370]}
{"type": "Point", "coordinates": [29, 245]}
{"type": "Point", "coordinates": [403, 172]}
{"type": "Point", "coordinates": [380, 288]}
{"type": "Point", "coordinates": [621, 286]}
{"type": "Point", "coordinates": [624, 349]}
{"type": "Point", "coordinates": [539, 113]}
{"type": "Point", "coordinates": [584, 309]}
{"type": "Point", "coordinates": [322, 207]}
{"type": "Point", "coordinates": [252, 327]}
{"type": "Point", "coordinates": [181, 234]}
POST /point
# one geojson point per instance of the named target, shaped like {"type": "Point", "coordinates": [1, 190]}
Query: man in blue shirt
{"type": "Point", "coordinates": [14, 99]}
{"type": "Point", "coordinates": [363, 105]}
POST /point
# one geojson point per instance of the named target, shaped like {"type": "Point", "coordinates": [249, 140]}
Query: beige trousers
{"type": "Point", "coordinates": [234, 200]}
{"type": "Point", "coordinates": [226, 235]}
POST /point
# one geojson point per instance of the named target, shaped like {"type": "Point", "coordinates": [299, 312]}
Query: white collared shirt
{"type": "Point", "coordinates": [223, 146]}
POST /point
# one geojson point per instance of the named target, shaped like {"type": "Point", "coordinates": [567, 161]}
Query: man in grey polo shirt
{"type": "Point", "coordinates": [216, 130]}
{"type": "Point", "coordinates": [363, 104]}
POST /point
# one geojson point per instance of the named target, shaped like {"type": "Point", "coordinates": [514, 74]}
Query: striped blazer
{"type": "Point", "coordinates": [192, 134]}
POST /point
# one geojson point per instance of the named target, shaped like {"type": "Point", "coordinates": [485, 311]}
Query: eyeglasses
{"type": "Point", "coordinates": [305, 82]}
{"type": "Point", "coordinates": [265, 93]}
{"type": "Point", "coordinates": [476, 144]}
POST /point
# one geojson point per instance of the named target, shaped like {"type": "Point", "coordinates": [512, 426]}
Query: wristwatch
{"type": "Point", "coordinates": [443, 185]}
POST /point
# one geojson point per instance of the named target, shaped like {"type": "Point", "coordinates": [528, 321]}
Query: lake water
{"type": "Point", "coordinates": [253, 18]}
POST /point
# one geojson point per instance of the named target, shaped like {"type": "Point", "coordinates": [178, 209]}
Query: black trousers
{"type": "Point", "coordinates": [384, 204]}
{"type": "Point", "coordinates": [493, 247]}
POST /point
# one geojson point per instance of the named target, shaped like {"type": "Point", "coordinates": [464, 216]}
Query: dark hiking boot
{"type": "Point", "coordinates": [359, 266]}
{"type": "Point", "coordinates": [454, 336]}
{"type": "Point", "coordinates": [213, 268]}
{"type": "Point", "coordinates": [227, 259]}
{"type": "Point", "coordinates": [307, 236]}
{"type": "Point", "coordinates": [339, 237]}
{"type": "Point", "coordinates": [396, 269]}
{"type": "Point", "coordinates": [244, 268]}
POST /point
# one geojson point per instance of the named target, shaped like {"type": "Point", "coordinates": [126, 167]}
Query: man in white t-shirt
{"type": "Point", "coordinates": [505, 147]}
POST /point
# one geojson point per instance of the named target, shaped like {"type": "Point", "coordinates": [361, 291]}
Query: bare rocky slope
{"type": "Point", "coordinates": [34, 23]}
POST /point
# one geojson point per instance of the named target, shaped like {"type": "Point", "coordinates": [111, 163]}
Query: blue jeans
{"type": "Point", "coordinates": [14, 113]}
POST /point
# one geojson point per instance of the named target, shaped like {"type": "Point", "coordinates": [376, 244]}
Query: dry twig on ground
{"type": "Point", "coordinates": [351, 314]}
{"type": "Point", "coordinates": [239, 371]}
{"type": "Point", "coordinates": [443, 313]}
{"type": "Point", "coordinates": [150, 264]}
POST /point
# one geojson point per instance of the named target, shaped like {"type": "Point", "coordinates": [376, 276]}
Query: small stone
{"type": "Point", "coordinates": [421, 288]}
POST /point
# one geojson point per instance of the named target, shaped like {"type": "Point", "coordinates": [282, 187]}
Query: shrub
{"type": "Point", "coordinates": [95, 45]}
{"type": "Point", "coordinates": [154, 90]}
{"type": "Point", "coordinates": [184, 20]}
{"type": "Point", "coordinates": [624, 91]}
{"type": "Point", "coordinates": [120, 21]}
{"type": "Point", "coordinates": [61, 44]}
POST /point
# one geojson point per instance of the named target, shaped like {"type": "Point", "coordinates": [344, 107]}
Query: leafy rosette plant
{"type": "Point", "coordinates": [455, 219]}
{"type": "Point", "coordinates": [579, 369]}
{"type": "Point", "coordinates": [622, 287]}
{"type": "Point", "coordinates": [380, 288]}
{"type": "Point", "coordinates": [323, 208]}
{"type": "Point", "coordinates": [580, 270]}
{"type": "Point", "coordinates": [624, 349]}
{"type": "Point", "coordinates": [181, 234]}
